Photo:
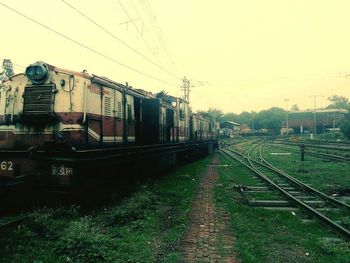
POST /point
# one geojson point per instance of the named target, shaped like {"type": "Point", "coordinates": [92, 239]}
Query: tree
{"type": "Point", "coordinates": [7, 67]}
{"type": "Point", "coordinates": [338, 102]}
{"type": "Point", "coordinates": [345, 129]}
{"type": "Point", "coordinates": [294, 107]}
{"type": "Point", "coordinates": [245, 118]}
{"type": "Point", "coordinates": [218, 114]}
{"type": "Point", "coordinates": [271, 119]}
{"type": "Point", "coordinates": [229, 117]}
{"type": "Point", "coordinates": [215, 112]}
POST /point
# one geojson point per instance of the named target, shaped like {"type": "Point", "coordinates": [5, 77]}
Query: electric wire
{"type": "Point", "coordinates": [140, 34]}
{"type": "Point", "coordinates": [144, 24]}
{"type": "Point", "coordinates": [153, 38]}
{"type": "Point", "coordinates": [85, 46]}
{"type": "Point", "coordinates": [137, 29]}
{"type": "Point", "coordinates": [117, 38]}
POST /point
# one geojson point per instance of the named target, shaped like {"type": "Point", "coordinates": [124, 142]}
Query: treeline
{"type": "Point", "coordinates": [271, 119]}
{"type": "Point", "coordinates": [274, 118]}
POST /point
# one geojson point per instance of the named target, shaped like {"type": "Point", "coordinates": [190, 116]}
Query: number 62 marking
{"type": "Point", "coordinates": [6, 165]}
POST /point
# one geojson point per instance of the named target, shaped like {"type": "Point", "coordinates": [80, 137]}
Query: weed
{"type": "Point", "coordinates": [335, 247]}
{"type": "Point", "coordinates": [134, 208]}
{"type": "Point", "coordinates": [41, 222]}
{"type": "Point", "coordinates": [276, 236]}
{"type": "Point", "coordinates": [83, 242]}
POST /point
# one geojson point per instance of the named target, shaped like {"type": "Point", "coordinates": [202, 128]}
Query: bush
{"type": "Point", "coordinates": [45, 221]}
{"type": "Point", "coordinates": [334, 248]}
{"type": "Point", "coordinates": [42, 223]}
{"type": "Point", "coordinates": [345, 129]}
{"type": "Point", "coordinates": [134, 208]}
{"type": "Point", "coordinates": [82, 242]}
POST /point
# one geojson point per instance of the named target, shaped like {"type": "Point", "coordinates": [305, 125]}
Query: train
{"type": "Point", "coordinates": [56, 124]}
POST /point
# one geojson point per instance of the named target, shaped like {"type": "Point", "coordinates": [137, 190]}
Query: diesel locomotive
{"type": "Point", "coordinates": [54, 121]}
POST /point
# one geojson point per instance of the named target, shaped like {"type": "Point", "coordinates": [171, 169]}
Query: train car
{"type": "Point", "coordinates": [49, 107]}
{"type": "Point", "coordinates": [203, 127]}
{"type": "Point", "coordinates": [51, 104]}
{"type": "Point", "coordinates": [52, 119]}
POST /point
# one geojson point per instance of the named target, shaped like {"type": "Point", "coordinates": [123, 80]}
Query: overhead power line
{"type": "Point", "coordinates": [154, 37]}
{"type": "Point", "coordinates": [136, 28]}
{"type": "Point", "coordinates": [153, 22]}
{"type": "Point", "coordinates": [85, 46]}
{"type": "Point", "coordinates": [117, 38]}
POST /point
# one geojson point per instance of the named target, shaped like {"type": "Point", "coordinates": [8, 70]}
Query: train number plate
{"type": "Point", "coordinates": [6, 168]}
{"type": "Point", "coordinates": [61, 170]}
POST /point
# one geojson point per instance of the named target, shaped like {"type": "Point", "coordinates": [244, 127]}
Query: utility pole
{"type": "Point", "coordinates": [186, 89]}
{"type": "Point", "coordinates": [315, 126]}
{"type": "Point", "coordinates": [287, 128]}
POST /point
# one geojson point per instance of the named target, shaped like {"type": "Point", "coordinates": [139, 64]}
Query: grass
{"type": "Point", "coordinates": [146, 227]}
{"type": "Point", "coordinates": [275, 236]}
{"type": "Point", "coordinates": [326, 176]}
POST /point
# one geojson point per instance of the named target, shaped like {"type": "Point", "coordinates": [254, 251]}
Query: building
{"type": "Point", "coordinates": [229, 128]}
{"type": "Point", "coordinates": [326, 119]}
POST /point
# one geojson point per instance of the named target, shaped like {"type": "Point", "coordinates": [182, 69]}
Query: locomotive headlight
{"type": "Point", "coordinates": [38, 72]}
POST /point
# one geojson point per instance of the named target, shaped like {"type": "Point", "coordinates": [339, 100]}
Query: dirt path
{"type": "Point", "coordinates": [208, 238]}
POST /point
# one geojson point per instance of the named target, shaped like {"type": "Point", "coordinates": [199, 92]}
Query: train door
{"type": "Point", "coordinates": [169, 124]}
{"type": "Point", "coordinates": [138, 119]}
{"type": "Point", "coordinates": [192, 132]}
{"type": "Point", "coordinates": [118, 116]}
{"type": "Point", "coordinates": [130, 118]}
{"type": "Point", "coordinates": [107, 116]}
{"type": "Point", "coordinates": [94, 115]}
{"type": "Point", "coordinates": [150, 121]}
{"type": "Point", "coordinates": [162, 123]}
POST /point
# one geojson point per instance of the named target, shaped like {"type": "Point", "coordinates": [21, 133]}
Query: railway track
{"type": "Point", "coordinates": [294, 192]}
{"type": "Point", "coordinates": [318, 154]}
{"type": "Point", "coordinates": [319, 144]}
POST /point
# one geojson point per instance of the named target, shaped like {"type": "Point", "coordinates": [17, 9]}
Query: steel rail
{"type": "Point", "coordinates": [313, 153]}
{"type": "Point", "coordinates": [300, 203]}
{"type": "Point", "coordinates": [296, 181]}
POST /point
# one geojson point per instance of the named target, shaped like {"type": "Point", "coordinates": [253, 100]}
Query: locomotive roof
{"type": "Point", "coordinates": [109, 83]}
{"type": "Point", "coordinates": [97, 79]}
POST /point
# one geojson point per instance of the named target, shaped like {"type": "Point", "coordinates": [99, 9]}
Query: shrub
{"type": "Point", "coordinates": [45, 221]}
{"type": "Point", "coordinates": [82, 242]}
{"type": "Point", "coordinates": [345, 129]}
{"type": "Point", "coordinates": [134, 208]}
{"type": "Point", "coordinates": [41, 222]}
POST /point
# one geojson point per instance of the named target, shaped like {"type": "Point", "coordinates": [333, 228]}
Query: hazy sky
{"type": "Point", "coordinates": [239, 55]}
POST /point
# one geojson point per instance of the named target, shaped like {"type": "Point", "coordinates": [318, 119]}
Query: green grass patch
{"type": "Point", "coordinates": [146, 227]}
{"type": "Point", "coordinates": [276, 236]}
{"type": "Point", "coordinates": [327, 176]}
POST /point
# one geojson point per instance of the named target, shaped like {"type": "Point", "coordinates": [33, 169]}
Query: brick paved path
{"type": "Point", "coordinates": [208, 238]}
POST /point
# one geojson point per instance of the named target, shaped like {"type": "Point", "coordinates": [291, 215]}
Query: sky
{"type": "Point", "coordinates": [239, 55]}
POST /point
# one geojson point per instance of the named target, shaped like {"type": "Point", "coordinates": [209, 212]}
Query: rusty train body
{"type": "Point", "coordinates": [54, 121]}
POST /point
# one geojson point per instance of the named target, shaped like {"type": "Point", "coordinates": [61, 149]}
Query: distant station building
{"type": "Point", "coordinates": [229, 129]}
{"type": "Point", "coordinates": [326, 120]}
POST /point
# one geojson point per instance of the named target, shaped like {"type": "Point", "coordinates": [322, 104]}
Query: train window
{"type": "Point", "coordinates": [182, 114]}
{"type": "Point", "coordinates": [107, 107]}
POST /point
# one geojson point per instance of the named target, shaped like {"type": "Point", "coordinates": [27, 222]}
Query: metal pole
{"type": "Point", "coordinates": [315, 124]}
{"type": "Point", "coordinates": [287, 126]}
{"type": "Point", "coordinates": [315, 115]}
